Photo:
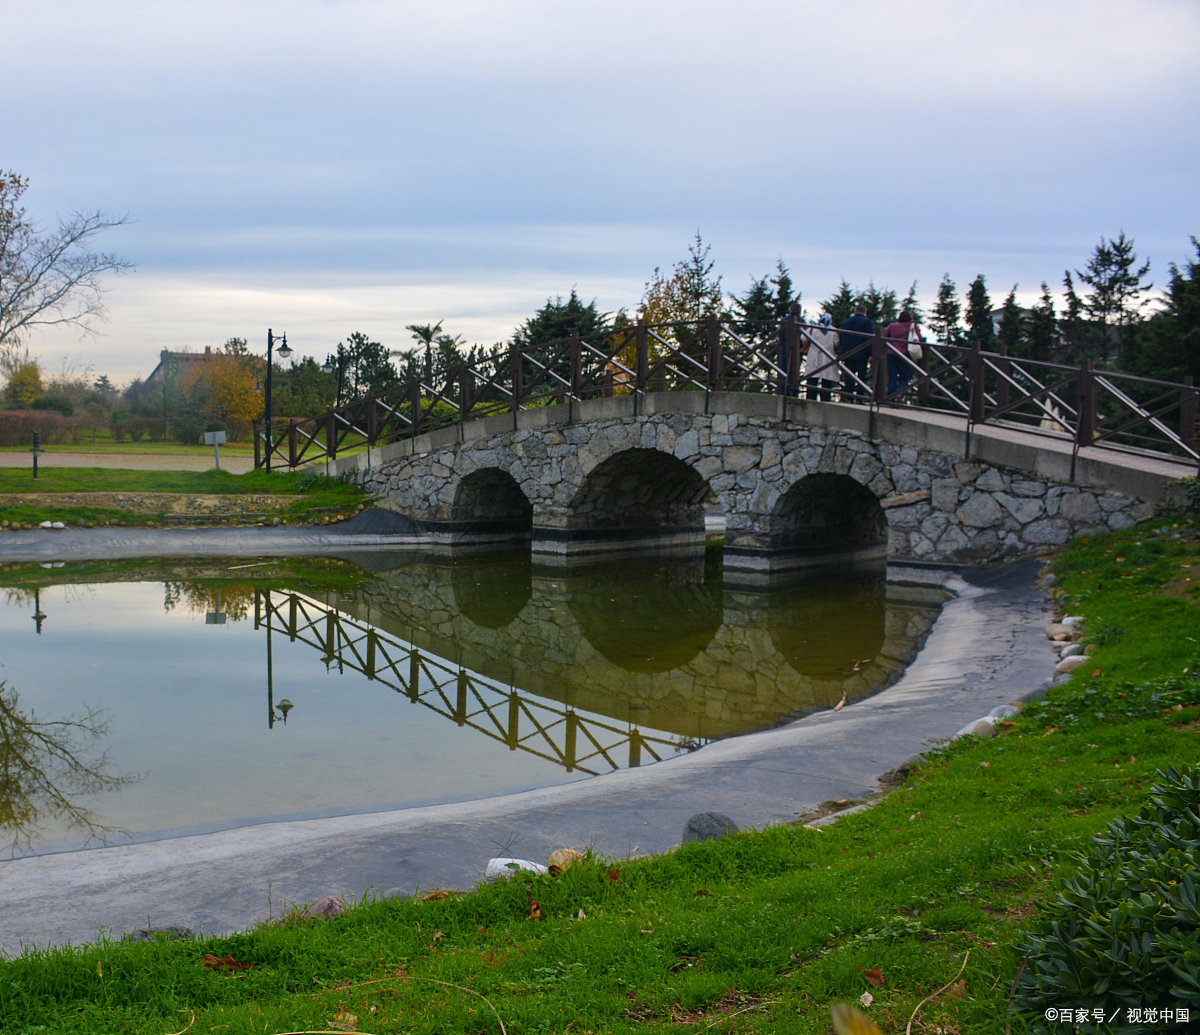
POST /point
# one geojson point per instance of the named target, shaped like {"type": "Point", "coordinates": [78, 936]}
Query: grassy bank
{"type": "Point", "coordinates": [926, 895]}
{"type": "Point", "coordinates": [47, 497]}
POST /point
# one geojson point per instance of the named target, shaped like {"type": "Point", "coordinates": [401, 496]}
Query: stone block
{"type": "Point", "coordinates": [739, 458]}
{"type": "Point", "coordinates": [1026, 488]}
{"type": "Point", "coordinates": [1119, 521]}
{"type": "Point", "coordinates": [943, 494]}
{"type": "Point", "coordinates": [865, 468]}
{"type": "Point", "coordinates": [1046, 532]}
{"type": "Point", "coordinates": [1080, 508]}
{"type": "Point", "coordinates": [1023, 508]}
{"type": "Point", "coordinates": [966, 472]}
{"type": "Point", "coordinates": [990, 481]}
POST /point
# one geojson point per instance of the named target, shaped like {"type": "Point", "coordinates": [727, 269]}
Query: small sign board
{"type": "Point", "coordinates": [214, 438]}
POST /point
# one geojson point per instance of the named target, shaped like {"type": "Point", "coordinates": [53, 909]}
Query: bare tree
{"type": "Point", "coordinates": [49, 279]}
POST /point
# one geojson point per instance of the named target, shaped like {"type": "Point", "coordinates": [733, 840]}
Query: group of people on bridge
{"type": "Point", "coordinates": [827, 352]}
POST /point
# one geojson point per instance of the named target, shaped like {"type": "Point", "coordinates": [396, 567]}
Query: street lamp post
{"type": "Point", "coordinates": [284, 352]}
{"type": "Point", "coordinates": [339, 365]}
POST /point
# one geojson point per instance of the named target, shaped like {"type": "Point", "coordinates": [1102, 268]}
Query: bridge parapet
{"type": "Point", "coordinates": [799, 482]}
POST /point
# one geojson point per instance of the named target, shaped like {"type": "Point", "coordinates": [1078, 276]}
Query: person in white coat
{"type": "Point", "coordinates": [822, 367]}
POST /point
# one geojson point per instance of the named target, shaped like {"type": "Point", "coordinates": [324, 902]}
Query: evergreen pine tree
{"type": "Point", "coordinates": [840, 305]}
{"type": "Point", "coordinates": [1116, 284]}
{"type": "Point", "coordinates": [912, 305]}
{"type": "Point", "coordinates": [979, 314]}
{"type": "Point", "coordinates": [1072, 326]}
{"type": "Point", "coordinates": [1042, 337]}
{"type": "Point", "coordinates": [763, 303]}
{"type": "Point", "coordinates": [1012, 326]}
{"type": "Point", "coordinates": [946, 313]}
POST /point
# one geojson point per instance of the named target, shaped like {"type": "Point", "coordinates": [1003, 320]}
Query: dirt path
{"type": "Point", "coordinates": [200, 461]}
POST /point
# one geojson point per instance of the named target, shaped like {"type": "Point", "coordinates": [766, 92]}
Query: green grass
{"type": "Point", "coordinates": [315, 490]}
{"type": "Point", "coordinates": [762, 931]}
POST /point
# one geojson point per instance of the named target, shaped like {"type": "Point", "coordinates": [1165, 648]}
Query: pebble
{"type": "Point", "coordinates": [1071, 651]}
{"type": "Point", "coordinates": [324, 909]}
{"type": "Point", "coordinates": [1070, 664]}
{"type": "Point", "coordinates": [1050, 580]}
{"type": "Point", "coordinates": [502, 867]}
{"type": "Point", "coordinates": [708, 826]}
{"type": "Point", "coordinates": [979, 728]}
{"type": "Point", "coordinates": [1073, 621]}
{"type": "Point", "coordinates": [1004, 711]}
{"type": "Point", "coordinates": [563, 859]}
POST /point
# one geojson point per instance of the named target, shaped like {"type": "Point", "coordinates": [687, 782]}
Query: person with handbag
{"type": "Point", "coordinates": [904, 342]}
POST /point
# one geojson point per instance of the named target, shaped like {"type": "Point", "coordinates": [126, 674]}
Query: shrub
{"type": "Point", "coordinates": [17, 427]}
{"type": "Point", "coordinates": [60, 403]}
{"type": "Point", "coordinates": [1125, 930]}
{"type": "Point", "coordinates": [119, 429]}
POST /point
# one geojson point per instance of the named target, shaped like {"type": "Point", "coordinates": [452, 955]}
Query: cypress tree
{"type": "Point", "coordinates": [979, 314]}
{"type": "Point", "coordinates": [946, 313]}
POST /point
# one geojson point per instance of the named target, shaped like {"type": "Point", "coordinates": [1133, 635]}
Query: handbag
{"type": "Point", "coordinates": [914, 342]}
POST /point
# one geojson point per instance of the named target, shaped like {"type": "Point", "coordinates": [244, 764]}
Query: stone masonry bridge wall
{"type": "Point", "coordinates": [798, 481]}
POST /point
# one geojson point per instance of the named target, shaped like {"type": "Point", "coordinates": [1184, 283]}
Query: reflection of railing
{"type": "Point", "coordinates": [1088, 405]}
{"type": "Point", "coordinates": [554, 733]}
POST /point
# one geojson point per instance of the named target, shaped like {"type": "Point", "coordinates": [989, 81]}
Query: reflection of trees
{"type": "Point", "coordinates": [45, 766]}
{"type": "Point", "coordinates": [236, 598]}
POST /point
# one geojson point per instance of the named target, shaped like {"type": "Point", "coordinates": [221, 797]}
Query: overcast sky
{"type": "Point", "coordinates": [327, 167]}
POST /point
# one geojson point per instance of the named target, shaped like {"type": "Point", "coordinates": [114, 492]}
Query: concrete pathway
{"type": "Point", "coordinates": [987, 648]}
{"type": "Point", "coordinates": [201, 460]}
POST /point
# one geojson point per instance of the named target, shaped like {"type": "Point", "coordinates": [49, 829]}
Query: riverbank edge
{"type": "Point", "coordinates": [75, 897]}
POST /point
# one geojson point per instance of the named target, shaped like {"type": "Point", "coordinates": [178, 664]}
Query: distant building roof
{"type": "Point", "coordinates": [184, 363]}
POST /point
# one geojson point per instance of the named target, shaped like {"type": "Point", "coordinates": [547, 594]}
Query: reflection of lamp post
{"type": "Point", "coordinates": [38, 616]}
{"type": "Point", "coordinates": [285, 705]}
{"type": "Point", "coordinates": [339, 365]}
{"type": "Point", "coordinates": [284, 353]}
{"type": "Point", "coordinates": [216, 617]}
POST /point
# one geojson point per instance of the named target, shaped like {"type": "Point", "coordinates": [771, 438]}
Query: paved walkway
{"type": "Point", "coordinates": [201, 460]}
{"type": "Point", "coordinates": [987, 648]}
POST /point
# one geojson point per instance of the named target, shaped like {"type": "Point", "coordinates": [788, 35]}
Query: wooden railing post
{"type": "Point", "coordinates": [642, 350]}
{"type": "Point", "coordinates": [293, 442]}
{"type": "Point", "coordinates": [1086, 405]}
{"type": "Point", "coordinates": [372, 424]}
{"type": "Point", "coordinates": [879, 361]}
{"type": "Point", "coordinates": [330, 434]}
{"type": "Point", "coordinates": [1187, 413]}
{"type": "Point", "coordinates": [792, 341]}
{"type": "Point", "coordinates": [716, 359]}
{"type": "Point", "coordinates": [414, 405]}
{"type": "Point", "coordinates": [464, 391]}
{"type": "Point", "coordinates": [518, 376]}
{"type": "Point", "coordinates": [975, 396]}
{"type": "Point", "coordinates": [576, 351]}
{"type": "Point", "coordinates": [923, 387]}
{"type": "Point", "coordinates": [1004, 369]}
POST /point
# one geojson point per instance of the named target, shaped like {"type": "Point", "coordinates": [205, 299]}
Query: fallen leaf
{"type": "Point", "coordinates": [647, 930]}
{"type": "Point", "coordinates": [874, 976]}
{"type": "Point", "coordinates": [841, 704]}
{"type": "Point", "coordinates": [985, 765]}
{"type": "Point", "coordinates": [582, 915]}
{"type": "Point", "coordinates": [702, 893]}
{"type": "Point", "coordinates": [212, 962]}
{"type": "Point", "coordinates": [613, 874]}
{"type": "Point", "coordinates": [1132, 758]}
{"type": "Point", "coordinates": [958, 990]}
{"type": "Point", "coordinates": [535, 911]}
{"type": "Point", "coordinates": [438, 934]}
{"type": "Point", "coordinates": [866, 999]}
{"type": "Point", "coordinates": [344, 1021]}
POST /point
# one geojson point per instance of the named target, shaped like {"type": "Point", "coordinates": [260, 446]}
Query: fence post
{"type": "Point", "coordinates": [257, 450]}
{"type": "Point", "coordinates": [1187, 413]}
{"type": "Point", "coordinates": [576, 365]}
{"type": "Point", "coordinates": [414, 405]}
{"type": "Point", "coordinates": [792, 340]}
{"type": "Point", "coordinates": [330, 434]}
{"type": "Point", "coordinates": [1086, 391]}
{"type": "Point", "coordinates": [975, 396]}
{"type": "Point", "coordinates": [464, 391]}
{"type": "Point", "coordinates": [518, 376]}
{"type": "Point", "coordinates": [1004, 368]}
{"type": "Point", "coordinates": [923, 388]}
{"type": "Point", "coordinates": [642, 348]}
{"type": "Point", "coordinates": [716, 359]}
{"type": "Point", "coordinates": [879, 362]}
{"type": "Point", "coordinates": [293, 442]}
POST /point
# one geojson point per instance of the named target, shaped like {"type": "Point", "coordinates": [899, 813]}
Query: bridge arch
{"type": "Point", "coordinates": [489, 502]}
{"type": "Point", "coordinates": [831, 516]}
{"type": "Point", "coordinates": [645, 492]}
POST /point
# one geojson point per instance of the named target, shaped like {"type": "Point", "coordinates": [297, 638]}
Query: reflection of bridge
{"type": "Point", "coordinates": [558, 734]}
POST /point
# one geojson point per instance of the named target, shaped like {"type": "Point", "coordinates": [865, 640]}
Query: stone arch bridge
{"type": "Point", "coordinates": [800, 482]}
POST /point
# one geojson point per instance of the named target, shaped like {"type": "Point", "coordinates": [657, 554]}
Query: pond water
{"type": "Point", "coordinates": [157, 698]}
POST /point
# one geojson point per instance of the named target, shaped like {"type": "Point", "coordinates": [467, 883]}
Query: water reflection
{"type": "Point", "coordinates": [421, 680]}
{"type": "Point", "coordinates": [47, 767]}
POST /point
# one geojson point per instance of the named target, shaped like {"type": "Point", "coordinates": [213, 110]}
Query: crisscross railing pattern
{"type": "Point", "coordinates": [576, 741]}
{"type": "Point", "coordinates": [1082, 404]}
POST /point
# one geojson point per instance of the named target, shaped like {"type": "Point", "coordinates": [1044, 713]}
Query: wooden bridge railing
{"type": "Point", "coordinates": [1083, 404]}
